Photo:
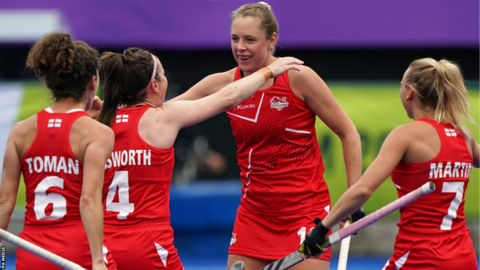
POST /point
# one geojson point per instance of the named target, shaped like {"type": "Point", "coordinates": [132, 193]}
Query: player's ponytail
{"type": "Point", "coordinates": [113, 73]}
{"type": "Point", "coordinates": [127, 76]}
{"type": "Point", "coordinates": [440, 85]}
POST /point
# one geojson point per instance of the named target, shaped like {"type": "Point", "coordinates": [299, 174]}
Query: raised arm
{"type": "Point", "coordinates": [207, 86]}
{"type": "Point", "coordinates": [99, 145]}
{"type": "Point", "coordinates": [308, 86]}
{"type": "Point", "coordinates": [186, 113]}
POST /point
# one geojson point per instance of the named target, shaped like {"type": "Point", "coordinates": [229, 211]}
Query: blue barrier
{"type": "Point", "coordinates": [207, 206]}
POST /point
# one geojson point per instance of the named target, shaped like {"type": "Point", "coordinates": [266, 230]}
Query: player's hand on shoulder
{"type": "Point", "coordinates": [282, 64]}
{"type": "Point", "coordinates": [314, 241]}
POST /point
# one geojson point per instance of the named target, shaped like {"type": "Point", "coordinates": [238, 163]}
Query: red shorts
{"type": "Point", "coordinates": [67, 241]}
{"type": "Point", "coordinates": [147, 245]}
{"type": "Point", "coordinates": [446, 251]}
{"type": "Point", "coordinates": [272, 238]}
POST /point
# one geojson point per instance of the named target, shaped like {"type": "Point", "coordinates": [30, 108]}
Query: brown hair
{"type": "Point", "coordinates": [261, 10]}
{"type": "Point", "coordinates": [440, 85]}
{"type": "Point", "coordinates": [126, 76]}
{"type": "Point", "coordinates": [65, 65]}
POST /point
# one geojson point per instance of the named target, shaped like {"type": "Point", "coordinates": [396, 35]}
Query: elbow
{"type": "Point", "coordinates": [230, 100]}
{"type": "Point", "coordinates": [6, 205]}
{"type": "Point", "coordinates": [363, 193]}
{"type": "Point", "coordinates": [89, 200]}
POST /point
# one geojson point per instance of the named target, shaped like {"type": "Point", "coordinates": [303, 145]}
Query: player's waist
{"type": "Point", "coordinates": [275, 208]}
{"type": "Point", "coordinates": [136, 224]}
{"type": "Point", "coordinates": [426, 229]}
{"type": "Point", "coordinates": [37, 225]}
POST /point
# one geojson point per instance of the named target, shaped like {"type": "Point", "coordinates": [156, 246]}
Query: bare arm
{"type": "Point", "coordinates": [10, 179]}
{"type": "Point", "coordinates": [392, 151]}
{"type": "Point", "coordinates": [313, 90]}
{"type": "Point", "coordinates": [207, 86]}
{"type": "Point", "coordinates": [185, 113]}
{"type": "Point", "coordinates": [96, 153]}
{"type": "Point", "coordinates": [475, 149]}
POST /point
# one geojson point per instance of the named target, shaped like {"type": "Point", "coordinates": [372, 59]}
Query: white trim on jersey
{"type": "Point", "coordinates": [297, 131]}
{"type": "Point", "coordinates": [254, 120]}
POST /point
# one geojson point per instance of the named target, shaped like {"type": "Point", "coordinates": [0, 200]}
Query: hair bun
{"type": "Point", "coordinates": [267, 5]}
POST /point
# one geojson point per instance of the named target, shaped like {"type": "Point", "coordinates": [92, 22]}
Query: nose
{"type": "Point", "coordinates": [241, 45]}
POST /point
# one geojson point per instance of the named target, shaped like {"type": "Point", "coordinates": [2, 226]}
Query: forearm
{"type": "Point", "coordinates": [7, 204]}
{"type": "Point", "coordinates": [5, 214]}
{"type": "Point", "coordinates": [348, 203]}
{"type": "Point", "coordinates": [352, 155]}
{"type": "Point", "coordinates": [91, 211]}
{"type": "Point", "coordinates": [240, 90]}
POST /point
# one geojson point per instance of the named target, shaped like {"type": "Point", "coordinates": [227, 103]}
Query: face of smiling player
{"type": "Point", "coordinates": [251, 49]}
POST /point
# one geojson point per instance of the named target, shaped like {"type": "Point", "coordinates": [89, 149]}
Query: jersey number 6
{"type": "Point", "coordinates": [43, 200]}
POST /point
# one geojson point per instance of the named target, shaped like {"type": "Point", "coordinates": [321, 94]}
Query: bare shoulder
{"type": "Point", "coordinates": [414, 129]}
{"type": "Point", "coordinates": [25, 127]}
{"type": "Point", "coordinates": [299, 76]}
{"type": "Point", "coordinates": [306, 83]}
{"type": "Point", "coordinates": [92, 129]}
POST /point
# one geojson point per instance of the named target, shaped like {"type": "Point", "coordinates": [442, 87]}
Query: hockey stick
{"type": "Point", "coordinates": [47, 255]}
{"type": "Point", "coordinates": [296, 257]}
{"type": "Point", "coordinates": [344, 246]}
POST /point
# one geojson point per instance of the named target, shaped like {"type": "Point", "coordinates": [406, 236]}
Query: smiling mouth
{"type": "Point", "coordinates": [244, 57]}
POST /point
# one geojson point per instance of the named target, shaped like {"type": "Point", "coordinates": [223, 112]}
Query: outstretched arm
{"type": "Point", "coordinates": [185, 113]}
{"type": "Point", "coordinates": [207, 86]}
{"type": "Point", "coordinates": [390, 154]}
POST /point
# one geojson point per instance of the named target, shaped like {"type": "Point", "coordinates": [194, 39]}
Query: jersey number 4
{"type": "Point", "coordinates": [123, 206]}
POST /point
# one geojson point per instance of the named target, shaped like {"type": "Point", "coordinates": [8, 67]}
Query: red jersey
{"type": "Point", "coordinates": [278, 153]}
{"type": "Point", "coordinates": [138, 175]}
{"type": "Point", "coordinates": [442, 210]}
{"type": "Point", "coordinates": [53, 175]}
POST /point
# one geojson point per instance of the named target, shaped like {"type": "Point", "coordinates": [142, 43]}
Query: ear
{"type": "Point", "coordinates": [93, 83]}
{"type": "Point", "coordinates": [155, 86]}
{"type": "Point", "coordinates": [410, 92]}
{"type": "Point", "coordinates": [273, 41]}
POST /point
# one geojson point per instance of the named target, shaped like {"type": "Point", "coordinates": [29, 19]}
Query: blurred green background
{"type": "Point", "coordinates": [375, 109]}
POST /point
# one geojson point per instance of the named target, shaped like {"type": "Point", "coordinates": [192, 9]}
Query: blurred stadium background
{"type": "Point", "coordinates": [360, 48]}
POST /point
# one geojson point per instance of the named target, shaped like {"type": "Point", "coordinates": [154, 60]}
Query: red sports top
{"type": "Point", "coordinates": [138, 175]}
{"type": "Point", "coordinates": [442, 210]}
{"type": "Point", "coordinates": [53, 175]}
{"type": "Point", "coordinates": [278, 154]}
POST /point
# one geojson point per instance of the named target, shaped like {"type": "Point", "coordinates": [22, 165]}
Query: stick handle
{"type": "Point", "coordinates": [47, 255]}
{"type": "Point", "coordinates": [344, 246]}
{"type": "Point", "coordinates": [380, 213]}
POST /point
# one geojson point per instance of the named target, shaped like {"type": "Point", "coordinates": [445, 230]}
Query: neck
{"type": "Point", "coordinates": [66, 105]}
{"type": "Point", "coordinates": [147, 103]}
{"type": "Point", "coordinates": [419, 112]}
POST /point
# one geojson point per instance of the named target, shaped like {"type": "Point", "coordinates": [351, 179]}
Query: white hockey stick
{"type": "Point", "coordinates": [344, 246]}
{"type": "Point", "coordinates": [296, 257]}
{"type": "Point", "coordinates": [47, 255]}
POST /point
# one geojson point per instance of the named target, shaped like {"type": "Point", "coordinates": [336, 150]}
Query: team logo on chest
{"type": "Point", "coordinates": [278, 103]}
